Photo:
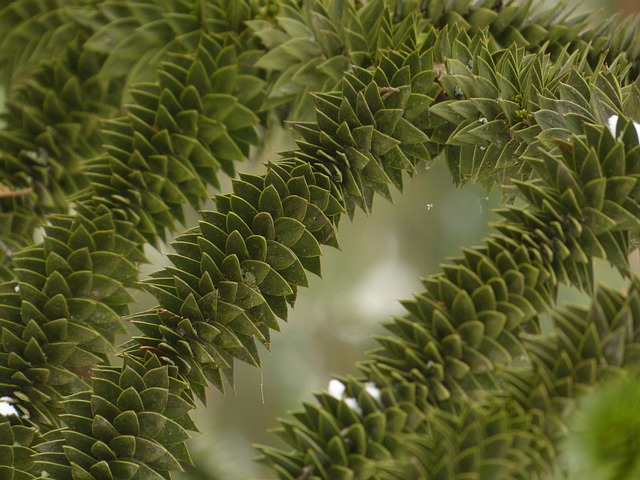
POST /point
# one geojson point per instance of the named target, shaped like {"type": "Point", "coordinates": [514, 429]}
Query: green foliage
{"type": "Point", "coordinates": [235, 273]}
{"type": "Point", "coordinates": [16, 449]}
{"type": "Point", "coordinates": [132, 424]}
{"type": "Point", "coordinates": [197, 119]}
{"type": "Point", "coordinates": [604, 440]}
{"type": "Point", "coordinates": [141, 104]}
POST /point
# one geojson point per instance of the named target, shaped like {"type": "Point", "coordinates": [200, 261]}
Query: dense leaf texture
{"type": "Point", "coordinates": [465, 386]}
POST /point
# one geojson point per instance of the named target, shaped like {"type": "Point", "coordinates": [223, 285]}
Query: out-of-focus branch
{"type": "Point", "coordinates": [628, 6]}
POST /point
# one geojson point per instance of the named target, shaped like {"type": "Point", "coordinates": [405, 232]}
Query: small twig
{"type": "Point", "coordinates": [307, 471]}
{"type": "Point", "coordinates": [85, 372]}
{"type": "Point", "coordinates": [440, 69]}
{"type": "Point", "coordinates": [387, 91]}
{"type": "Point", "coordinates": [5, 192]}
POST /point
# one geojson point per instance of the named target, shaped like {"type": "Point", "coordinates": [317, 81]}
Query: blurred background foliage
{"type": "Point", "coordinates": [381, 260]}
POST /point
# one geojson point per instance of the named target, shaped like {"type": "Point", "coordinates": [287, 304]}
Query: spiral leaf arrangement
{"type": "Point", "coordinates": [539, 103]}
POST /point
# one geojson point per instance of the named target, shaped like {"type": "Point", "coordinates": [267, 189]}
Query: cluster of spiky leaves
{"type": "Point", "coordinates": [239, 269]}
{"type": "Point", "coordinates": [197, 119]}
{"type": "Point", "coordinates": [311, 47]}
{"type": "Point", "coordinates": [62, 313]}
{"type": "Point", "coordinates": [136, 36]}
{"type": "Point", "coordinates": [132, 424]}
{"type": "Point", "coordinates": [403, 99]}
{"type": "Point", "coordinates": [236, 273]}
{"type": "Point", "coordinates": [53, 117]}
{"type": "Point", "coordinates": [475, 331]}
{"type": "Point", "coordinates": [21, 49]}
{"type": "Point", "coordinates": [366, 136]}
{"type": "Point", "coordinates": [17, 440]}
{"type": "Point", "coordinates": [56, 97]}
{"type": "Point", "coordinates": [60, 318]}
{"type": "Point", "coordinates": [93, 53]}
{"type": "Point", "coordinates": [395, 438]}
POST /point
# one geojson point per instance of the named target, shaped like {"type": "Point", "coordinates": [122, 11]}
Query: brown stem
{"type": "Point", "coordinates": [627, 6]}
{"type": "Point", "coordinates": [5, 192]}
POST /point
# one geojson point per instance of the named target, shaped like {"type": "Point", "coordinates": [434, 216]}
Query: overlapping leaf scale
{"type": "Point", "coordinates": [52, 122]}
{"type": "Point", "coordinates": [585, 203]}
{"type": "Point", "coordinates": [484, 119]}
{"type": "Point", "coordinates": [468, 321]}
{"type": "Point", "coordinates": [588, 98]}
{"type": "Point", "coordinates": [500, 106]}
{"type": "Point", "coordinates": [60, 318]}
{"type": "Point", "coordinates": [198, 118]}
{"type": "Point", "coordinates": [53, 115]}
{"type": "Point", "coordinates": [133, 423]}
{"type": "Point", "coordinates": [136, 36]}
{"type": "Point", "coordinates": [235, 273]}
{"type": "Point", "coordinates": [17, 224]}
{"type": "Point", "coordinates": [403, 383]}
{"type": "Point", "coordinates": [474, 331]}
{"type": "Point", "coordinates": [31, 358]}
{"type": "Point", "coordinates": [32, 31]}
{"type": "Point", "coordinates": [383, 431]}
{"type": "Point", "coordinates": [311, 47]}
{"type": "Point", "coordinates": [368, 135]}
{"type": "Point", "coordinates": [52, 119]}
{"type": "Point", "coordinates": [500, 116]}
{"type": "Point", "coordinates": [498, 439]}
{"type": "Point", "coordinates": [80, 274]}
{"type": "Point", "coordinates": [587, 346]}
{"type": "Point", "coordinates": [356, 436]}
{"type": "Point", "coordinates": [527, 24]}
{"type": "Point", "coordinates": [16, 449]}
{"type": "Point", "coordinates": [616, 39]}
{"type": "Point", "coordinates": [535, 25]}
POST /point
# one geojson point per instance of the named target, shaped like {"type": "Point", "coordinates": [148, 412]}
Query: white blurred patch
{"type": "Point", "coordinates": [374, 391]}
{"type": "Point", "coordinates": [612, 123]}
{"type": "Point", "coordinates": [336, 389]}
{"type": "Point", "coordinates": [353, 405]}
{"type": "Point", "coordinates": [6, 409]}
